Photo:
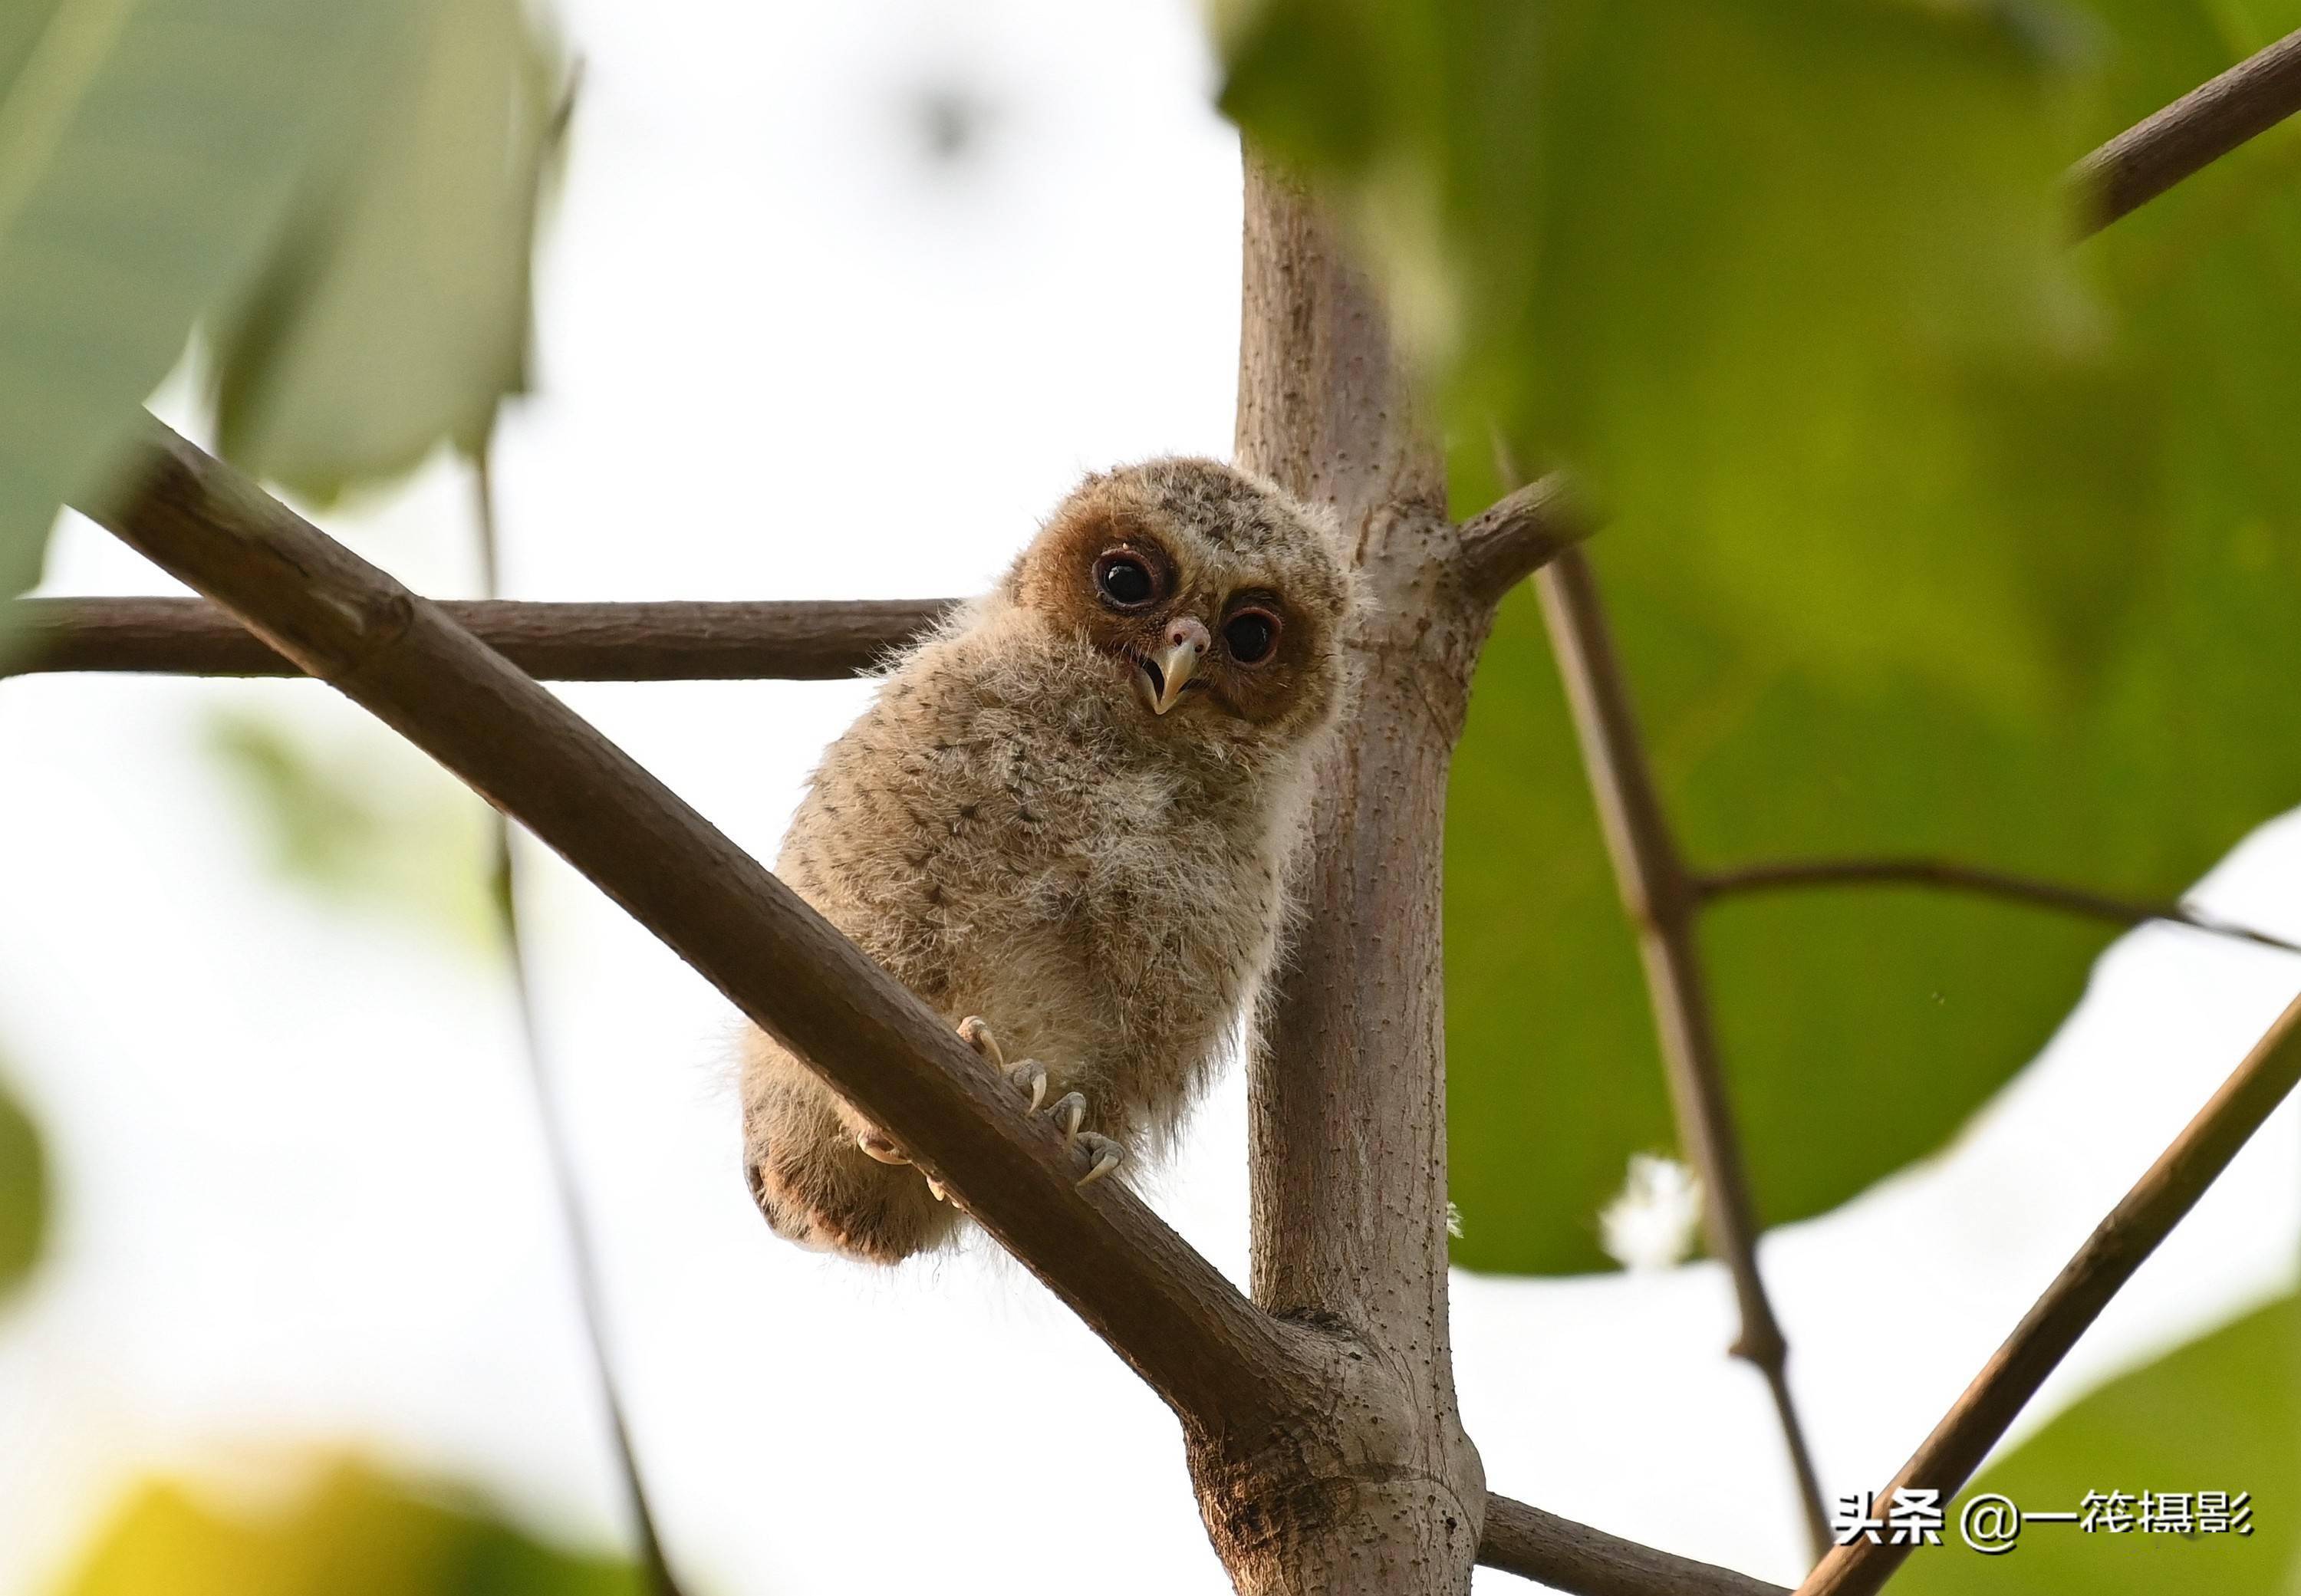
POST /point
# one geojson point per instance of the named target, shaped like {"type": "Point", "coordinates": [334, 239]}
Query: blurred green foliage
{"type": "Point", "coordinates": [363, 822]}
{"type": "Point", "coordinates": [348, 189]}
{"type": "Point", "coordinates": [2221, 1414]}
{"type": "Point", "coordinates": [23, 1193]}
{"type": "Point", "coordinates": [148, 152]}
{"type": "Point", "coordinates": [395, 314]}
{"type": "Point", "coordinates": [1927, 535]}
{"type": "Point", "coordinates": [355, 1533]}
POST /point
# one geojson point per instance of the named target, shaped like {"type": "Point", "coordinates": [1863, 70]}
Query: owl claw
{"type": "Point", "coordinates": [974, 1030]}
{"type": "Point", "coordinates": [878, 1147]}
{"type": "Point", "coordinates": [1030, 1078]}
{"type": "Point", "coordinates": [1106, 1154]}
{"type": "Point", "coordinates": [1069, 1111]}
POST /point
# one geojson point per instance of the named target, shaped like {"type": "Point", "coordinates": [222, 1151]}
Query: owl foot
{"type": "Point", "coordinates": [1069, 1111]}
{"type": "Point", "coordinates": [878, 1147]}
{"type": "Point", "coordinates": [1028, 1077]}
{"type": "Point", "coordinates": [1029, 1080]}
{"type": "Point", "coordinates": [1106, 1154]}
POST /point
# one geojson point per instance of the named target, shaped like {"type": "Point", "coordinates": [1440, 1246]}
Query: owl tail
{"type": "Point", "coordinates": [813, 1183]}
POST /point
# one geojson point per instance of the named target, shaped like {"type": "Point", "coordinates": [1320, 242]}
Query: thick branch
{"type": "Point", "coordinates": [1660, 898]}
{"type": "Point", "coordinates": [1215, 1359]}
{"type": "Point", "coordinates": [1226, 1367]}
{"type": "Point", "coordinates": [2189, 135]}
{"type": "Point", "coordinates": [802, 640]}
{"type": "Point", "coordinates": [1574, 1557]}
{"type": "Point", "coordinates": [2148, 1212]}
{"type": "Point", "coordinates": [1951, 876]}
{"type": "Point", "coordinates": [1347, 1092]}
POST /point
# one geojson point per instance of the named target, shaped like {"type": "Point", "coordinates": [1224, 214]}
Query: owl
{"type": "Point", "coordinates": [1065, 823]}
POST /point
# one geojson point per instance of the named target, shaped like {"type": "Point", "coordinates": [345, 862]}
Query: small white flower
{"type": "Point", "coordinates": [1454, 1219]}
{"type": "Point", "coordinates": [1651, 1225]}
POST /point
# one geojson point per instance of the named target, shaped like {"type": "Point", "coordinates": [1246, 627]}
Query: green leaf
{"type": "Point", "coordinates": [148, 150]}
{"type": "Point", "coordinates": [365, 823]}
{"type": "Point", "coordinates": [2220, 1413]}
{"type": "Point", "coordinates": [352, 1531]}
{"type": "Point", "coordinates": [1913, 547]}
{"type": "Point", "coordinates": [23, 1194]}
{"type": "Point", "coordinates": [397, 315]}
{"type": "Point", "coordinates": [1737, 263]}
{"type": "Point", "coordinates": [1858, 1028]}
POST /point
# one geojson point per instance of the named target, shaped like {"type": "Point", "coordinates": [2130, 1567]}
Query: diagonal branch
{"type": "Point", "coordinates": [2148, 1214]}
{"type": "Point", "coordinates": [2189, 135]}
{"type": "Point", "coordinates": [799, 640]}
{"type": "Point", "coordinates": [1661, 899]}
{"type": "Point", "coordinates": [1215, 1359]}
{"type": "Point", "coordinates": [1566, 1556]}
{"type": "Point", "coordinates": [1951, 876]}
{"type": "Point", "coordinates": [1226, 1368]}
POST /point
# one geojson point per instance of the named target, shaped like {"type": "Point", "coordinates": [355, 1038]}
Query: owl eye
{"type": "Point", "coordinates": [1124, 580]}
{"type": "Point", "coordinates": [1250, 636]}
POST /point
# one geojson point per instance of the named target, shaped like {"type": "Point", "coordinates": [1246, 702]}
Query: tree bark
{"type": "Point", "coordinates": [664, 640]}
{"type": "Point", "coordinates": [1381, 1490]}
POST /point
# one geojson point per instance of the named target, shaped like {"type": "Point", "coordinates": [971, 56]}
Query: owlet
{"type": "Point", "coordinates": [1065, 823]}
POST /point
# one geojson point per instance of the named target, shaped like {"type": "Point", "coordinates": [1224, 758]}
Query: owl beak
{"type": "Point", "coordinates": [1166, 671]}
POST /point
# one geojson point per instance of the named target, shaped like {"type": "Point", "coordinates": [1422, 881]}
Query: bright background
{"type": "Point", "coordinates": [838, 301]}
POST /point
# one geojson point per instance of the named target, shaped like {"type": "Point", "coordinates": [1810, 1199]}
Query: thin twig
{"type": "Point", "coordinates": [581, 1244]}
{"type": "Point", "coordinates": [1661, 899]}
{"type": "Point", "coordinates": [2188, 135]}
{"type": "Point", "coordinates": [1574, 1557]}
{"type": "Point", "coordinates": [790, 639]}
{"type": "Point", "coordinates": [2146, 1215]}
{"type": "Point", "coordinates": [1951, 876]}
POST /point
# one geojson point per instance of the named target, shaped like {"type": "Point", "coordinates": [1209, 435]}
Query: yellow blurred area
{"type": "Point", "coordinates": [344, 1530]}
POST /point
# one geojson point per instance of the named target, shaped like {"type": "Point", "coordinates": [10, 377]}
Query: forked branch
{"type": "Point", "coordinates": [1660, 898]}
{"type": "Point", "coordinates": [1224, 1365]}
{"type": "Point", "coordinates": [2148, 1212]}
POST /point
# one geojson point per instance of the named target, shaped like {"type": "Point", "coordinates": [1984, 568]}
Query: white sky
{"type": "Point", "coordinates": [783, 354]}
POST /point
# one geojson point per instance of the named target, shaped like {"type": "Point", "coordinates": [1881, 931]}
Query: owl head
{"type": "Point", "coordinates": [1219, 602]}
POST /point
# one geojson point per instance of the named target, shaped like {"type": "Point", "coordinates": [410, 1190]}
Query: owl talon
{"type": "Point", "coordinates": [1030, 1078]}
{"type": "Point", "coordinates": [974, 1030]}
{"type": "Point", "coordinates": [878, 1147]}
{"type": "Point", "coordinates": [1069, 1111]}
{"type": "Point", "coordinates": [934, 1188]}
{"type": "Point", "coordinates": [1106, 1154]}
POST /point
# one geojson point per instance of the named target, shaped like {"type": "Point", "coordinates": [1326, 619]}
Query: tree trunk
{"type": "Point", "coordinates": [1381, 1492]}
